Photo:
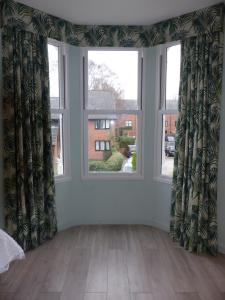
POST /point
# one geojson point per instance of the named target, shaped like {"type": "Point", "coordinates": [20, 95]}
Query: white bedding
{"type": "Point", "coordinates": [9, 251]}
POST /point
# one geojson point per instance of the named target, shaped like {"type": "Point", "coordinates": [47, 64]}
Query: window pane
{"type": "Point", "coordinates": [168, 144]}
{"type": "Point", "coordinates": [112, 80]}
{"type": "Point", "coordinates": [117, 144]}
{"type": "Point", "coordinates": [97, 146]}
{"type": "Point", "coordinates": [57, 148]}
{"type": "Point", "coordinates": [97, 124]}
{"type": "Point", "coordinates": [107, 124]}
{"type": "Point", "coordinates": [173, 76]}
{"type": "Point", "coordinates": [53, 57]}
{"type": "Point", "coordinates": [107, 145]}
{"type": "Point", "coordinates": [102, 145]}
{"type": "Point", "coordinates": [102, 124]}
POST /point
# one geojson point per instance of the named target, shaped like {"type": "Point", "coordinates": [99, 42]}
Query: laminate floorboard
{"type": "Point", "coordinates": [121, 262]}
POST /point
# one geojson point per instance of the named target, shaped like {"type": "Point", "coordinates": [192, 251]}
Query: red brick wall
{"type": "Point", "coordinates": [104, 134]}
{"type": "Point", "coordinates": [121, 123]}
{"type": "Point", "coordinates": [170, 125]}
{"type": "Point", "coordinates": [96, 135]}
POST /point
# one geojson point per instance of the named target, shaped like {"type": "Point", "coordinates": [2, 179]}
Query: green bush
{"type": "Point", "coordinates": [124, 141]}
{"type": "Point", "coordinates": [114, 163]}
{"type": "Point", "coordinates": [134, 161]}
{"type": "Point", "coordinates": [97, 165]}
{"type": "Point", "coordinates": [107, 154]}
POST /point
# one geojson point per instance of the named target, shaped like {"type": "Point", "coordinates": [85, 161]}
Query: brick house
{"type": "Point", "coordinates": [127, 125]}
{"type": "Point", "coordinates": [101, 128]}
{"type": "Point", "coordinates": [171, 120]}
{"type": "Point", "coordinates": [170, 124]}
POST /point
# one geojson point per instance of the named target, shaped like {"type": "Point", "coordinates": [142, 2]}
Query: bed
{"type": "Point", "coordinates": [9, 251]}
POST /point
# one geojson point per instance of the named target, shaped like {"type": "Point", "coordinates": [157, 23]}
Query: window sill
{"type": "Point", "coordinates": [59, 179]}
{"type": "Point", "coordinates": [163, 179]}
{"type": "Point", "coordinates": [111, 176]}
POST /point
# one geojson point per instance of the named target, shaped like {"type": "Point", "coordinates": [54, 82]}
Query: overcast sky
{"type": "Point", "coordinates": [173, 72]}
{"type": "Point", "coordinates": [125, 65]}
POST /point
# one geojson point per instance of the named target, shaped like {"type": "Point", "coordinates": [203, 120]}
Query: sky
{"type": "Point", "coordinates": [53, 57]}
{"type": "Point", "coordinates": [173, 72]}
{"type": "Point", "coordinates": [124, 64]}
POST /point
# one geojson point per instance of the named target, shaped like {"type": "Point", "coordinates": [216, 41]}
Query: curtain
{"type": "Point", "coordinates": [28, 167]}
{"type": "Point", "coordinates": [194, 188]}
{"type": "Point", "coordinates": [206, 20]}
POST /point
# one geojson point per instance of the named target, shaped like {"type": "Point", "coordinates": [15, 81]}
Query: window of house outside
{"type": "Point", "coordinates": [128, 123]}
{"type": "Point", "coordinates": [59, 108]}
{"type": "Point", "coordinates": [169, 59]}
{"type": "Point", "coordinates": [112, 112]}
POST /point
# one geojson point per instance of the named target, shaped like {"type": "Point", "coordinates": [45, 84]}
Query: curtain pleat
{"type": "Point", "coordinates": [194, 189]}
{"type": "Point", "coordinates": [28, 167]}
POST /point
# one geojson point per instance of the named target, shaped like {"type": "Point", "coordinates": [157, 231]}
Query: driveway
{"type": "Point", "coordinates": [127, 165]}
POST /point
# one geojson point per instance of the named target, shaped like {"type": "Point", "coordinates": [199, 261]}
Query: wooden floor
{"type": "Point", "coordinates": [114, 263]}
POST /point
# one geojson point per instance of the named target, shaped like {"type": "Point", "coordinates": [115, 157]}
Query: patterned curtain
{"type": "Point", "coordinates": [28, 169]}
{"type": "Point", "coordinates": [194, 190]}
{"type": "Point", "coordinates": [204, 21]}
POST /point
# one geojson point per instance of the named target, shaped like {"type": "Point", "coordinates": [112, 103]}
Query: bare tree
{"type": "Point", "coordinates": [102, 78]}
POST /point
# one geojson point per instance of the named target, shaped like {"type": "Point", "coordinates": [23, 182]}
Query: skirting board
{"type": "Point", "coordinates": [222, 249]}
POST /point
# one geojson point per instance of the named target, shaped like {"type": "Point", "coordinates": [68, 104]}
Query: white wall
{"type": "Point", "coordinates": [105, 201]}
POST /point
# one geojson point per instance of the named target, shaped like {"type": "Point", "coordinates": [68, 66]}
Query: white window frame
{"type": "Point", "coordinates": [160, 109]}
{"type": "Point", "coordinates": [139, 174]}
{"type": "Point", "coordinates": [64, 111]}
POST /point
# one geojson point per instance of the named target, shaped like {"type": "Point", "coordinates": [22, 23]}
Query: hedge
{"type": "Point", "coordinates": [134, 161]}
{"type": "Point", "coordinates": [124, 141]}
{"type": "Point", "coordinates": [114, 163]}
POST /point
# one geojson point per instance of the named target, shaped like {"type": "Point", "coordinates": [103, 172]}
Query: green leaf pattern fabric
{"type": "Point", "coordinates": [194, 189]}
{"type": "Point", "coordinates": [28, 168]}
{"type": "Point", "coordinates": [204, 21]}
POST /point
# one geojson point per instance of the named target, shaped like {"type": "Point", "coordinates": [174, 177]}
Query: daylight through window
{"type": "Point", "coordinates": [112, 111]}
{"type": "Point", "coordinates": [59, 109]}
{"type": "Point", "coordinates": [169, 64]}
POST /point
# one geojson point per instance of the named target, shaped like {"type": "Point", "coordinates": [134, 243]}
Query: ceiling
{"type": "Point", "coordinates": [119, 12]}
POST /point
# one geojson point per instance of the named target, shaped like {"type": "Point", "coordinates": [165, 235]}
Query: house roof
{"type": "Point", "coordinates": [102, 117]}
{"type": "Point", "coordinates": [101, 100]}
{"type": "Point", "coordinates": [105, 100]}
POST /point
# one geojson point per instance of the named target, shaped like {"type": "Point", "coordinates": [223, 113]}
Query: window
{"type": "Point", "coordinates": [167, 108]}
{"type": "Point", "coordinates": [102, 145]}
{"type": "Point", "coordinates": [128, 123]}
{"type": "Point", "coordinates": [112, 112]}
{"type": "Point", "coordinates": [59, 108]}
{"type": "Point", "coordinates": [102, 124]}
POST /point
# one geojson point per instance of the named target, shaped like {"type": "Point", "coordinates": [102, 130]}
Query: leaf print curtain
{"type": "Point", "coordinates": [206, 20]}
{"type": "Point", "coordinates": [28, 169]}
{"type": "Point", "coordinates": [194, 189]}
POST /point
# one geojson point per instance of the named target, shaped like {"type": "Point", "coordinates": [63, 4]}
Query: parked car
{"type": "Point", "coordinates": [169, 145]}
